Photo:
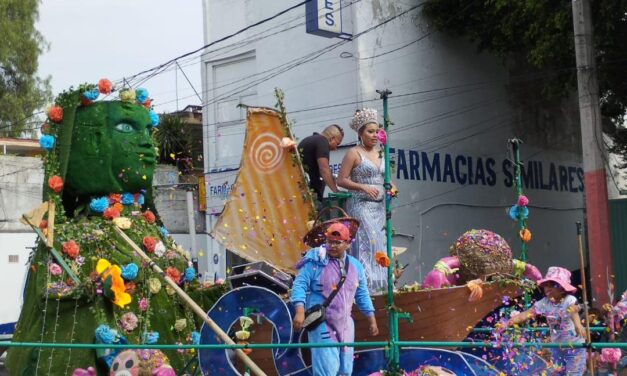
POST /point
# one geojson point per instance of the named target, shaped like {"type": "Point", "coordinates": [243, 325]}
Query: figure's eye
{"type": "Point", "coordinates": [124, 128]}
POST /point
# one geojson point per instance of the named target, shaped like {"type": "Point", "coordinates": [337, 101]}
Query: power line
{"type": "Point", "coordinates": [220, 39]}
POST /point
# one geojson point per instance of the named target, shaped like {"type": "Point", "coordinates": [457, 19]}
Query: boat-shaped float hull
{"type": "Point", "coordinates": [438, 315]}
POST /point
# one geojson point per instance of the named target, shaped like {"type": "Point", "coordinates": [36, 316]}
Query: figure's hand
{"type": "Point", "coordinates": [372, 191]}
{"type": "Point", "coordinates": [299, 318]}
{"type": "Point", "coordinates": [373, 329]}
{"type": "Point", "coordinates": [581, 331]}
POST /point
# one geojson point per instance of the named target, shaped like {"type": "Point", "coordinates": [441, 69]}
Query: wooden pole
{"type": "Point", "coordinates": [191, 304]}
{"type": "Point", "coordinates": [51, 213]}
{"type": "Point", "coordinates": [584, 293]}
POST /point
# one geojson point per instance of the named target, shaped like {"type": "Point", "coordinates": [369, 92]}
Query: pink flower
{"type": "Point", "coordinates": [128, 321]}
{"type": "Point", "coordinates": [55, 269]}
{"type": "Point", "coordinates": [91, 371]}
{"type": "Point", "coordinates": [610, 355]}
{"type": "Point", "coordinates": [143, 304]}
{"type": "Point", "coordinates": [382, 136]}
{"type": "Point", "coordinates": [523, 200]}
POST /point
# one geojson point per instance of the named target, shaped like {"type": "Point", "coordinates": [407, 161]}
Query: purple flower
{"type": "Point", "coordinates": [143, 304]}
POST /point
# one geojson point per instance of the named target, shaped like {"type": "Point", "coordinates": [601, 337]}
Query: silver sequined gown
{"type": "Point", "coordinates": [371, 214]}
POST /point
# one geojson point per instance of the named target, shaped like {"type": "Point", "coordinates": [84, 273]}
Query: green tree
{"type": "Point", "coordinates": [539, 35]}
{"type": "Point", "coordinates": [174, 141]}
{"type": "Point", "coordinates": [21, 91]}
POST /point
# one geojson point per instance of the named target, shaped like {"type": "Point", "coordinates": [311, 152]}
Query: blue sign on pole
{"type": "Point", "coordinates": [324, 18]}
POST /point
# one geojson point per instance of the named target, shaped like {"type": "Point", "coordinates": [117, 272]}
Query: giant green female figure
{"type": "Point", "coordinates": [90, 286]}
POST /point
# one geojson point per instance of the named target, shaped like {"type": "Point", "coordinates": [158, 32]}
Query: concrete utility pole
{"type": "Point", "coordinates": [597, 208]}
{"type": "Point", "coordinates": [191, 223]}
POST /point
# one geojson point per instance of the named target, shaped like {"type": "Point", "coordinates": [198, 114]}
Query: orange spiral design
{"type": "Point", "coordinates": [266, 153]}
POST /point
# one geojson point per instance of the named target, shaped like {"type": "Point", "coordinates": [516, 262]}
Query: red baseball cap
{"type": "Point", "coordinates": [338, 231]}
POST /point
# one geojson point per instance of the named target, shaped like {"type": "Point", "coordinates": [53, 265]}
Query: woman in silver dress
{"type": "Point", "coordinates": [362, 173]}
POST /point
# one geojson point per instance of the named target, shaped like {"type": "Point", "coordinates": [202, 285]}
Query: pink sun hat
{"type": "Point", "coordinates": [560, 276]}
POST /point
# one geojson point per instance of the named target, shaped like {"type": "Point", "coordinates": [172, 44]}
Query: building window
{"type": "Point", "coordinates": [14, 259]}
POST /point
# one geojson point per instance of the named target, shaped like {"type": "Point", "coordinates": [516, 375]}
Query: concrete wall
{"type": "Point", "coordinates": [14, 251]}
{"type": "Point", "coordinates": [21, 181]}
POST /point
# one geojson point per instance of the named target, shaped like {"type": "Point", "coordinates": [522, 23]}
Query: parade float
{"type": "Point", "coordinates": [107, 273]}
{"type": "Point", "coordinates": [264, 221]}
{"type": "Point", "coordinates": [105, 270]}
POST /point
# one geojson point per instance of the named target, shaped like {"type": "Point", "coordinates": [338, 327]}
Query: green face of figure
{"type": "Point", "coordinates": [112, 150]}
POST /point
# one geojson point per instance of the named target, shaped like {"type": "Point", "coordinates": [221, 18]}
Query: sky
{"type": "Point", "coordinates": [93, 39]}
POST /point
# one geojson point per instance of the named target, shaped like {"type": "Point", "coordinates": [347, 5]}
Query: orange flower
{"type": "Point", "coordinates": [246, 350]}
{"type": "Point", "coordinates": [173, 273]}
{"type": "Point", "coordinates": [150, 216]}
{"type": "Point", "coordinates": [43, 224]}
{"type": "Point", "coordinates": [382, 259]}
{"type": "Point", "coordinates": [120, 297]}
{"type": "Point", "coordinates": [119, 207]}
{"type": "Point", "coordinates": [525, 235]}
{"type": "Point", "coordinates": [149, 243]}
{"type": "Point", "coordinates": [55, 183]}
{"type": "Point", "coordinates": [148, 103]}
{"type": "Point", "coordinates": [105, 86]}
{"type": "Point", "coordinates": [111, 213]}
{"type": "Point", "coordinates": [71, 249]}
{"type": "Point", "coordinates": [55, 113]}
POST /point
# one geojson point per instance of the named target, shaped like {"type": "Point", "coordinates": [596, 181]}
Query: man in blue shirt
{"type": "Point", "coordinates": [319, 273]}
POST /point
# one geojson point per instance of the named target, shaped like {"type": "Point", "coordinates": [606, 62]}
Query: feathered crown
{"type": "Point", "coordinates": [363, 117]}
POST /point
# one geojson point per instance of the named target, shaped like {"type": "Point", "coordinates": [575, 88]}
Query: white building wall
{"type": "Point", "coordinates": [21, 182]}
{"type": "Point", "coordinates": [448, 101]}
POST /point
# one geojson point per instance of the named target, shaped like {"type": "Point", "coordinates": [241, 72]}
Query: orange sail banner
{"type": "Point", "coordinates": [265, 216]}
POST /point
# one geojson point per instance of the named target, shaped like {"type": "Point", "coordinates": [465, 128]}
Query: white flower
{"type": "Point", "coordinates": [242, 334]}
{"type": "Point", "coordinates": [160, 249]}
{"type": "Point", "coordinates": [180, 325]}
{"type": "Point", "coordinates": [245, 322]}
{"type": "Point", "coordinates": [122, 222]}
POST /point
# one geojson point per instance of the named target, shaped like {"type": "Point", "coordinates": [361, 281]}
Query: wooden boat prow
{"type": "Point", "coordinates": [438, 315]}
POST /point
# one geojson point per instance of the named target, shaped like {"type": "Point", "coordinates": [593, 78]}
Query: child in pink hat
{"type": "Point", "coordinates": [561, 311]}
